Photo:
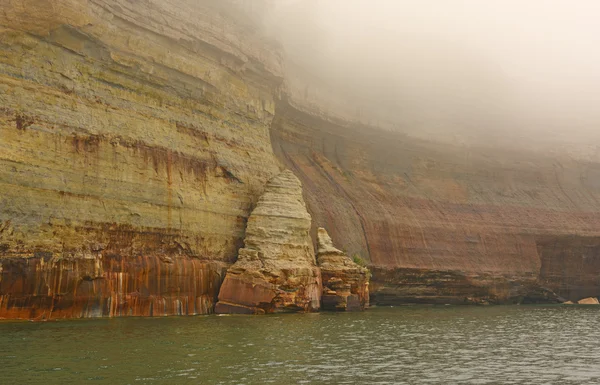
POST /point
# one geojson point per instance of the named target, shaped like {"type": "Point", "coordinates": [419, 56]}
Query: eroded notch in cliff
{"type": "Point", "coordinates": [570, 265]}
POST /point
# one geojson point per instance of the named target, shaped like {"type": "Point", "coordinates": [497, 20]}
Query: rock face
{"type": "Point", "coordinates": [276, 270]}
{"type": "Point", "coordinates": [345, 283]}
{"type": "Point", "coordinates": [570, 264]}
{"type": "Point", "coordinates": [442, 224]}
{"type": "Point", "coordinates": [135, 138]}
{"type": "Point", "coordinates": [589, 301]}
{"type": "Point", "coordinates": [132, 134]}
{"type": "Point", "coordinates": [107, 287]}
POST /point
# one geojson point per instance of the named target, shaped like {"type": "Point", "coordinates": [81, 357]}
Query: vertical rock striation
{"type": "Point", "coordinates": [132, 133]}
{"type": "Point", "coordinates": [136, 137]}
{"type": "Point", "coordinates": [45, 287]}
{"type": "Point", "coordinates": [345, 283]}
{"type": "Point", "coordinates": [276, 269]}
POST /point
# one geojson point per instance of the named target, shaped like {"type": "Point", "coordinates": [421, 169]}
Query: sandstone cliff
{"type": "Point", "coordinates": [136, 137]}
{"type": "Point", "coordinates": [276, 269]}
{"type": "Point", "coordinates": [442, 223]}
{"type": "Point", "coordinates": [133, 137]}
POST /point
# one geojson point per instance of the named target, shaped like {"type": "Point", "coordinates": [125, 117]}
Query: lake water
{"type": "Point", "coordinates": [401, 345]}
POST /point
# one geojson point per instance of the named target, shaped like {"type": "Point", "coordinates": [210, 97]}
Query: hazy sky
{"type": "Point", "coordinates": [472, 67]}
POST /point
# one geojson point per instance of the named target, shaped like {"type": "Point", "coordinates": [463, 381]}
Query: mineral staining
{"type": "Point", "coordinates": [137, 137]}
{"type": "Point", "coordinates": [134, 140]}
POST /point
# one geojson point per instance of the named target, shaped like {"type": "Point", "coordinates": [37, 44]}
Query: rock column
{"type": "Point", "coordinates": [276, 270]}
{"type": "Point", "coordinates": [345, 283]}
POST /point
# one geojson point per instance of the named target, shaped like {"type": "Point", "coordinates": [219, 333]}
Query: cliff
{"type": "Point", "coordinates": [136, 138]}
{"type": "Point", "coordinates": [442, 223]}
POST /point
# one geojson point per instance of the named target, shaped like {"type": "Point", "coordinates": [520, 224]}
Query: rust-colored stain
{"type": "Point", "coordinates": [23, 121]}
{"type": "Point", "coordinates": [86, 144]}
{"type": "Point", "coordinates": [125, 187]}
{"type": "Point", "coordinates": [43, 288]}
{"type": "Point", "coordinates": [169, 189]}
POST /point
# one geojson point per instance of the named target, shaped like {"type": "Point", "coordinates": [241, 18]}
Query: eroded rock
{"type": "Point", "coordinates": [48, 287]}
{"type": "Point", "coordinates": [276, 270]}
{"type": "Point", "coordinates": [589, 301]}
{"type": "Point", "coordinates": [345, 283]}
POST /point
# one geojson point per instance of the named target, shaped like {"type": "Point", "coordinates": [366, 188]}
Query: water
{"type": "Point", "coordinates": [402, 345]}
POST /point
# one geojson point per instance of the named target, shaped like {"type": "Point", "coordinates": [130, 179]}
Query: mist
{"type": "Point", "coordinates": [502, 72]}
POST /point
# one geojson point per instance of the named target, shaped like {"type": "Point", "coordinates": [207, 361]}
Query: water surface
{"type": "Point", "coordinates": [402, 345]}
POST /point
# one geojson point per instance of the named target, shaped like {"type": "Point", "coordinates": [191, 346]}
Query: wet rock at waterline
{"type": "Point", "coordinates": [345, 283]}
{"type": "Point", "coordinates": [588, 301]}
{"type": "Point", "coordinates": [276, 270]}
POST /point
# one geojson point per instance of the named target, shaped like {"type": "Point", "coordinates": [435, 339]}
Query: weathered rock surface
{"type": "Point", "coordinates": [139, 135]}
{"type": "Point", "coordinates": [570, 264]}
{"type": "Point", "coordinates": [276, 269]}
{"type": "Point", "coordinates": [588, 301]}
{"type": "Point", "coordinates": [345, 283]}
{"type": "Point", "coordinates": [443, 223]}
{"type": "Point", "coordinates": [44, 287]}
{"type": "Point", "coordinates": [135, 132]}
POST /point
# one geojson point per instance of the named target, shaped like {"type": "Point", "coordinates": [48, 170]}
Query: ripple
{"type": "Point", "coordinates": [402, 345]}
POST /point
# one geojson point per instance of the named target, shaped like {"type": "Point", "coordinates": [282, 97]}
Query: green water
{"type": "Point", "coordinates": [402, 345]}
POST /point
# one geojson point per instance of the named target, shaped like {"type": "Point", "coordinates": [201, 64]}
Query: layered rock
{"type": "Point", "coordinates": [570, 264]}
{"type": "Point", "coordinates": [44, 287]}
{"type": "Point", "coordinates": [345, 283]}
{"type": "Point", "coordinates": [275, 270]}
{"type": "Point", "coordinates": [135, 132]}
{"type": "Point", "coordinates": [443, 223]}
{"type": "Point", "coordinates": [137, 136]}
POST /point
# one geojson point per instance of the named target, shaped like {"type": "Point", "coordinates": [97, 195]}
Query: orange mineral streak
{"type": "Point", "coordinates": [46, 288]}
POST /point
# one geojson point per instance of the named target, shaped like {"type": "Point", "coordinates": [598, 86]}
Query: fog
{"type": "Point", "coordinates": [463, 70]}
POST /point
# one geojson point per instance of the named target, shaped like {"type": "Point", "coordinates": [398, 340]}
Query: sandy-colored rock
{"type": "Point", "coordinates": [132, 132]}
{"type": "Point", "coordinates": [276, 270]}
{"type": "Point", "coordinates": [588, 301]}
{"type": "Point", "coordinates": [345, 283]}
{"type": "Point", "coordinates": [142, 134]}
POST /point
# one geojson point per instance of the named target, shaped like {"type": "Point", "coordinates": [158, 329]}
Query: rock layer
{"type": "Point", "coordinates": [345, 283]}
{"type": "Point", "coordinates": [128, 131]}
{"type": "Point", "coordinates": [442, 223]}
{"type": "Point", "coordinates": [139, 135]}
{"type": "Point", "coordinates": [276, 270]}
{"type": "Point", "coordinates": [570, 265]}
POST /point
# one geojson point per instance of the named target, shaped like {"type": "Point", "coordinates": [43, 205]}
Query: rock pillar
{"type": "Point", "coordinates": [345, 283]}
{"type": "Point", "coordinates": [276, 270]}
